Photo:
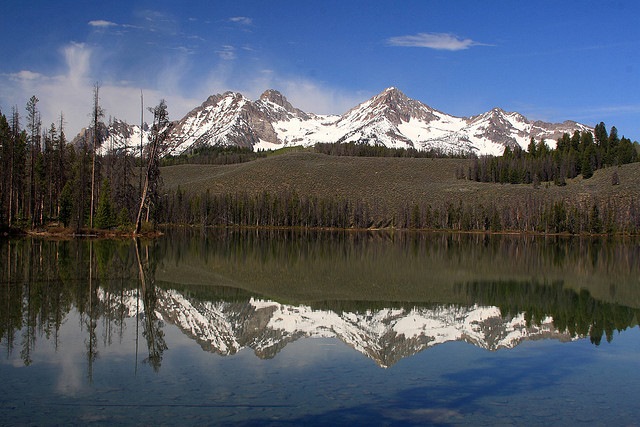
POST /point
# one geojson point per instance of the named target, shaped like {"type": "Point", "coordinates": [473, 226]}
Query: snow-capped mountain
{"type": "Point", "coordinates": [386, 335]}
{"type": "Point", "coordinates": [389, 118]}
{"type": "Point", "coordinates": [117, 136]}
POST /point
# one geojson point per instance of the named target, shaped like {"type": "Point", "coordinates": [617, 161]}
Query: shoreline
{"type": "Point", "coordinates": [87, 233]}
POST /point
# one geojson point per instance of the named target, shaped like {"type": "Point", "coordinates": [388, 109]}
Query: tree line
{"type": "Point", "coordinates": [364, 149]}
{"type": "Point", "coordinates": [213, 155]}
{"type": "Point", "coordinates": [290, 209]}
{"type": "Point", "coordinates": [579, 154]}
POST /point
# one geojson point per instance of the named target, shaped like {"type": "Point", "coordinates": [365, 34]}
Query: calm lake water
{"type": "Point", "coordinates": [293, 328]}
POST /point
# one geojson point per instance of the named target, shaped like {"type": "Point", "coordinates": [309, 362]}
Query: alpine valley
{"type": "Point", "coordinates": [390, 119]}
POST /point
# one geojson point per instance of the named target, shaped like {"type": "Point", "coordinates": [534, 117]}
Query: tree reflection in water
{"type": "Point", "coordinates": [152, 326]}
{"type": "Point", "coordinates": [107, 282]}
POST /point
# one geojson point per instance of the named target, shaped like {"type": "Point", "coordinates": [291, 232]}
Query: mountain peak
{"type": "Point", "coordinates": [390, 118]}
{"type": "Point", "coordinates": [392, 94]}
{"type": "Point", "coordinates": [276, 97]}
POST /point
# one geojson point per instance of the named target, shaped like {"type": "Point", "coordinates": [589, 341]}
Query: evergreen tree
{"type": "Point", "coordinates": [19, 162]}
{"type": "Point", "coordinates": [66, 204]}
{"type": "Point", "coordinates": [5, 168]}
{"type": "Point", "coordinates": [588, 159]}
{"type": "Point", "coordinates": [96, 124]}
{"type": "Point", "coordinates": [105, 216]}
{"type": "Point", "coordinates": [611, 153]}
{"type": "Point", "coordinates": [600, 132]}
{"type": "Point", "coordinates": [626, 152]}
{"type": "Point", "coordinates": [532, 148]}
{"type": "Point", "coordinates": [33, 127]}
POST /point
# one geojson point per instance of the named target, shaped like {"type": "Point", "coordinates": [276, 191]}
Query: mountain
{"type": "Point", "coordinates": [389, 118]}
{"type": "Point", "coordinates": [385, 335]}
{"type": "Point", "coordinates": [116, 136]}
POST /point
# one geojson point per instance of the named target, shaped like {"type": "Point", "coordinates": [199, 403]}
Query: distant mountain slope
{"type": "Point", "coordinates": [389, 118]}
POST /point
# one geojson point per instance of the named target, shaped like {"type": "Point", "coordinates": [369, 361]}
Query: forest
{"type": "Point", "coordinates": [579, 154]}
{"type": "Point", "coordinates": [45, 181]}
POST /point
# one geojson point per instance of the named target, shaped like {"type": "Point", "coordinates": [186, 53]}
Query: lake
{"type": "Point", "coordinates": [313, 328]}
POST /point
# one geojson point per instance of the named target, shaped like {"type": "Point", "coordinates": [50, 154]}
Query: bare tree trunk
{"type": "Point", "coordinates": [97, 114]}
{"type": "Point", "coordinates": [142, 200]}
{"type": "Point", "coordinates": [145, 190]}
{"type": "Point", "coordinates": [11, 153]}
{"type": "Point", "coordinates": [158, 134]}
{"type": "Point", "coordinates": [93, 181]}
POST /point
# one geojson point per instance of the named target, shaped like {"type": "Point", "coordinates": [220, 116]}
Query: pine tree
{"type": "Point", "coordinates": [66, 204]}
{"type": "Point", "coordinates": [587, 162]}
{"type": "Point", "coordinates": [96, 124]}
{"type": "Point", "coordinates": [532, 148]}
{"type": "Point", "coordinates": [105, 217]}
{"type": "Point", "coordinates": [33, 126]}
{"type": "Point", "coordinates": [5, 155]}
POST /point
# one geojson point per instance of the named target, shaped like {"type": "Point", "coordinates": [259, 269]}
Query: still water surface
{"type": "Point", "coordinates": [295, 328]}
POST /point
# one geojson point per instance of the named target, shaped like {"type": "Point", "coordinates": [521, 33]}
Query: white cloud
{"type": "Point", "coordinates": [78, 59]}
{"type": "Point", "coordinates": [316, 98]}
{"type": "Point", "coordinates": [70, 93]}
{"type": "Point", "coordinates": [69, 90]}
{"type": "Point", "coordinates": [438, 41]}
{"type": "Point", "coordinates": [242, 20]}
{"type": "Point", "coordinates": [25, 75]}
{"type": "Point", "coordinates": [100, 23]}
{"type": "Point", "coordinates": [307, 95]}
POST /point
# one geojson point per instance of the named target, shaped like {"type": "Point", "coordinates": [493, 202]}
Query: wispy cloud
{"type": "Point", "coordinates": [101, 23]}
{"type": "Point", "coordinates": [25, 75]}
{"type": "Point", "coordinates": [308, 95]}
{"type": "Point", "coordinates": [242, 20]}
{"type": "Point", "coordinates": [227, 53]}
{"type": "Point", "coordinates": [438, 41]}
{"type": "Point", "coordinates": [70, 91]}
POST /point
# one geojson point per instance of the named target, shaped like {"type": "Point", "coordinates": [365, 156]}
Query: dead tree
{"type": "Point", "coordinates": [159, 132]}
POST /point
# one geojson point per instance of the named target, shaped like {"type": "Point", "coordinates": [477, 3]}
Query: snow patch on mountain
{"type": "Point", "coordinates": [390, 119]}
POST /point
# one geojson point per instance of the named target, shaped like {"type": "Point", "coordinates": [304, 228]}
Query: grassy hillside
{"type": "Point", "coordinates": [387, 182]}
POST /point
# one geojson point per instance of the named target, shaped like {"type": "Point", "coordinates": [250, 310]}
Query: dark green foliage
{"type": "Point", "coordinates": [105, 216]}
{"type": "Point", "coordinates": [124, 218]}
{"type": "Point", "coordinates": [574, 155]}
{"type": "Point", "coordinates": [6, 148]}
{"type": "Point", "coordinates": [289, 209]}
{"type": "Point", "coordinates": [213, 155]}
{"type": "Point", "coordinates": [66, 205]}
{"type": "Point", "coordinates": [363, 149]}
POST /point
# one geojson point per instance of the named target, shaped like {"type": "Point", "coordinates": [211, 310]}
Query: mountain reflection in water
{"type": "Point", "coordinates": [388, 296]}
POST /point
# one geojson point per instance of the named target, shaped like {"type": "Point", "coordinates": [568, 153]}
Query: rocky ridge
{"type": "Point", "coordinates": [390, 118]}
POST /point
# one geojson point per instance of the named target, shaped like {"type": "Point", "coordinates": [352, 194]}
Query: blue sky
{"type": "Point", "coordinates": [549, 60]}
